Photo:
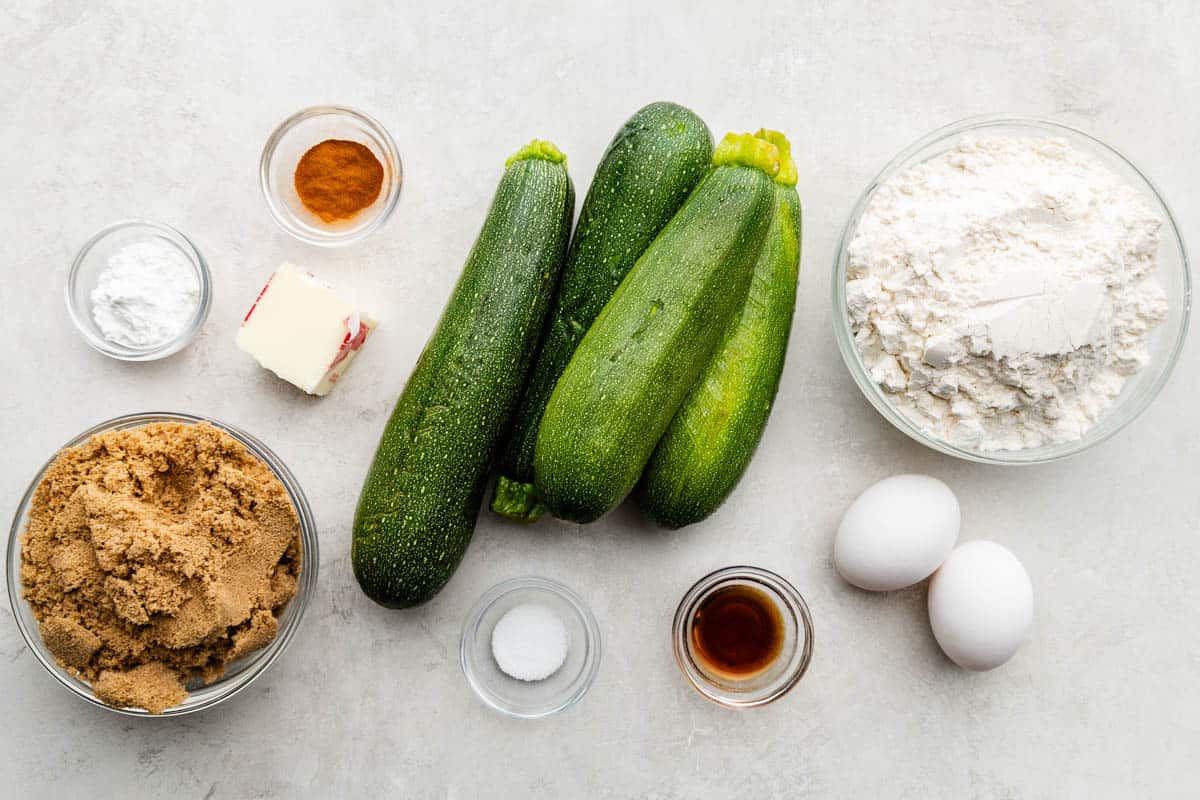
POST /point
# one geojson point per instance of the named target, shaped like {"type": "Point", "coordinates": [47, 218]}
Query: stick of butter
{"type": "Point", "coordinates": [303, 332]}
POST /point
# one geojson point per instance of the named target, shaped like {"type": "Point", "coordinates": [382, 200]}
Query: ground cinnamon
{"type": "Point", "coordinates": [338, 178]}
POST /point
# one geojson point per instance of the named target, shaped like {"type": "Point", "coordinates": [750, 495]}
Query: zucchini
{"type": "Point", "coordinates": [649, 344]}
{"type": "Point", "coordinates": [417, 510]}
{"type": "Point", "coordinates": [712, 438]}
{"type": "Point", "coordinates": [648, 170]}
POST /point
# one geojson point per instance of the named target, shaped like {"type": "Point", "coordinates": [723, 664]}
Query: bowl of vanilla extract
{"type": "Point", "coordinates": [743, 637]}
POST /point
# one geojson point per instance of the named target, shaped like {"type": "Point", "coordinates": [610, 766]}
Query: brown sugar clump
{"type": "Point", "coordinates": [157, 555]}
{"type": "Point", "coordinates": [154, 686]}
{"type": "Point", "coordinates": [73, 644]}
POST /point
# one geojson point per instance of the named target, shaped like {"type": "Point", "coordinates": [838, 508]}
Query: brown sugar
{"type": "Point", "coordinates": [157, 555]}
{"type": "Point", "coordinates": [154, 686]}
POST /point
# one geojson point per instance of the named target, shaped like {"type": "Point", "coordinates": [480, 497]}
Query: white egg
{"type": "Point", "coordinates": [981, 605]}
{"type": "Point", "coordinates": [896, 533]}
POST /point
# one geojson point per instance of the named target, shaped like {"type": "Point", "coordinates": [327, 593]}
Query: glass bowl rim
{"type": "Point", "coordinates": [783, 590]}
{"type": "Point", "coordinates": [332, 238]}
{"type": "Point", "coordinates": [169, 347]}
{"type": "Point", "coordinates": [591, 666]}
{"type": "Point", "coordinates": [264, 657]}
{"type": "Point", "coordinates": [874, 394]}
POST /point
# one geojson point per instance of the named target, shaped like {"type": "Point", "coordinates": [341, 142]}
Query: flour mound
{"type": "Point", "coordinates": [1002, 293]}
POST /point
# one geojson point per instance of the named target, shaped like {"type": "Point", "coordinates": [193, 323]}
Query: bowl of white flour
{"type": "Point", "coordinates": [1011, 290]}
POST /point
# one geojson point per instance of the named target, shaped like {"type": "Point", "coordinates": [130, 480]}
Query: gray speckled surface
{"type": "Point", "coordinates": [145, 112]}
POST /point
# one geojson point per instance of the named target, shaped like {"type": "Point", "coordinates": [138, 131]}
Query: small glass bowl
{"type": "Point", "coordinates": [781, 675]}
{"type": "Point", "coordinates": [530, 699]}
{"type": "Point", "coordinates": [93, 258]}
{"type": "Point", "coordinates": [282, 152]}
{"type": "Point", "coordinates": [238, 674]}
{"type": "Point", "coordinates": [1166, 341]}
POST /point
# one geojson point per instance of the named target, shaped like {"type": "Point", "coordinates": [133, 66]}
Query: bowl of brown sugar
{"type": "Point", "coordinates": [330, 175]}
{"type": "Point", "coordinates": [161, 562]}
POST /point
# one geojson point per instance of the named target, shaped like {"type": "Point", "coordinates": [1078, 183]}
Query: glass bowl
{"type": "Point", "coordinates": [93, 258]}
{"type": "Point", "coordinates": [767, 685]}
{"type": "Point", "coordinates": [238, 674]}
{"type": "Point", "coordinates": [1166, 341]}
{"type": "Point", "coordinates": [530, 699]}
{"type": "Point", "coordinates": [294, 136]}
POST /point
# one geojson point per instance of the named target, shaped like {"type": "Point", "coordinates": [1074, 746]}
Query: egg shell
{"type": "Point", "coordinates": [897, 533]}
{"type": "Point", "coordinates": [981, 605]}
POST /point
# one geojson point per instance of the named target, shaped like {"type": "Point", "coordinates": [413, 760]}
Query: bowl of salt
{"type": "Point", "coordinates": [530, 647]}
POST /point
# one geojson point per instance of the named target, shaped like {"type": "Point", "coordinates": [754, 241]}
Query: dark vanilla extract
{"type": "Point", "coordinates": [737, 631]}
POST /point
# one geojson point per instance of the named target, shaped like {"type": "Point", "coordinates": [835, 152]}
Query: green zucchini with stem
{"type": "Point", "coordinates": [712, 438]}
{"type": "Point", "coordinates": [652, 164]}
{"type": "Point", "coordinates": [422, 494]}
{"type": "Point", "coordinates": [655, 335]}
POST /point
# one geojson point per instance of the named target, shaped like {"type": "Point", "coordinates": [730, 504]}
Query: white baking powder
{"type": "Point", "coordinates": [1003, 292]}
{"type": "Point", "coordinates": [145, 295]}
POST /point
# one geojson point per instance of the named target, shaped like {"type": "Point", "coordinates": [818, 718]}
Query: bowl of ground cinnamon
{"type": "Point", "coordinates": [330, 175]}
{"type": "Point", "coordinates": [160, 563]}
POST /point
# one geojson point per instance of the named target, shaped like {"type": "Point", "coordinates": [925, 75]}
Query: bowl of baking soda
{"type": "Point", "coordinates": [139, 291]}
{"type": "Point", "coordinates": [1011, 290]}
{"type": "Point", "coordinates": [530, 647]}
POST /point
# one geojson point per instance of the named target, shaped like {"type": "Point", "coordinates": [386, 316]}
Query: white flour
{"type": "Point", "coordinates": [145, 295]}
{"type": "Point", "coordinates": [1003, 292]}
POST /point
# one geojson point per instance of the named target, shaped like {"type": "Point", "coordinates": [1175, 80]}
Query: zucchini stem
{"type": "Point", "coordinates": [516, 500]}
{"type": "Point", "coordinates": [787, 165]}
{"type": "Point", "coordinates": [747, 150]}
{"type": "Point", "coordinates": [538, 148]}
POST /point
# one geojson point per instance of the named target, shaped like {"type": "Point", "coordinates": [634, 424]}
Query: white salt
{"type": "Point", "coordinates": [530, 642]}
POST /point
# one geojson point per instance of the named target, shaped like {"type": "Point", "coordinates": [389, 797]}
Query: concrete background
{"type": "Point", "coordinates": [145, 111]}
